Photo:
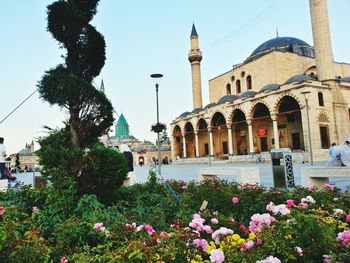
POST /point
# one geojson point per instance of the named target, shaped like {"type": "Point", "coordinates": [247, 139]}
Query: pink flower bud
{"type": "Point", "coordinates": [235, 200]}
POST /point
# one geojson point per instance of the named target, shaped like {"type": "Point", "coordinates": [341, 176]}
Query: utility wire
{"type": "Point", "coordinates": [8, 115]}
{"type": "Point", "coordinates": [242, 26]}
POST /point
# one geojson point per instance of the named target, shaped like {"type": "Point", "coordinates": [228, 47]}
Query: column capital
{"type": "Point", "coordinates": [209, 128]}
{"type": "Point", "coordinates": [228, 125]}
{"type": "Point", "coordinates": [249, 121]}
{"type": "Point", "coordinates": [274, 116]}
{"type": "Point", "coordinates": [183, 134]}
{"type": "Point", "coordinates": [195, 131]}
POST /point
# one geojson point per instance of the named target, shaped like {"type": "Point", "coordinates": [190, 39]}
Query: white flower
{"type": "Point", "coordinates": [338, 211]}
{"type": "Point", "coordinates": [299, 251]}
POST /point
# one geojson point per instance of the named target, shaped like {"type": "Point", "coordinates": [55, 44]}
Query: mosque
{"type": "Point", "coordinates": [286, 94]}
{"type": "Point", "coordinates": [144, 152]}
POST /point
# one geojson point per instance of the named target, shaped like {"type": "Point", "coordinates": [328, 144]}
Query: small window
{"type": "Point", "coordinates": [324, 137]}
{"type": "Point", "coordinates": [242, 74]}
{"type": "Point", "coordinates": [249, 82]}
{"type": "Point", "coordinates": [233, 78]}
{"type": "Point", "coordinates": [228, 89]}
{"type": "Point", "coordinates": [238, 86]}
{"type": "Point", "coordinates": [320, 99]}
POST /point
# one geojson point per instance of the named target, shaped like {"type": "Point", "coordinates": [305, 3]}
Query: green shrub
{"type": "Point", "coordinates": [103, 173]}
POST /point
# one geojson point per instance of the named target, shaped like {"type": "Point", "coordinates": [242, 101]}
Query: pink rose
{"type": "Point", "coordinates": [64, 260]}
{"type": "Point", "coordinates": [235, 200]}
{"type": "Point", "coordinates": [347, 219]}
{"type": "Point", "coordinates": [214, 221]}
{"type": "Point", "coordinates": [290, 203]}
{"type": "Point", "coordinates": [259, 242]}
{"type": "Point", "coordinates": [217, 256]}
{"type": "Point", "coordinates": [303, 206]}
{"type": "Point", "coordinates": [329, 187]}
{"type": "Point", "coordinates": [184, 187]}
{"type": "Point", "coordinates": [149, 229]}
{"type": "Point", "coordinates": [2, 212]}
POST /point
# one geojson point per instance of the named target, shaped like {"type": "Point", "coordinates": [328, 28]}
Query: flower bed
{"type": "Point", "coordinates": [240, 224]}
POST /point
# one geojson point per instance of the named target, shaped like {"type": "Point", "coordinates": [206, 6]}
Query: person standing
{"type": "Point", "coordinates": [2, 158]}
{"type": "Point", "coordinates": [125, 150]}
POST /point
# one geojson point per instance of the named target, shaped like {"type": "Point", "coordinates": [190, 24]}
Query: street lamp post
{"type": "Point", "coordinates": [156, 78]}
{"type": "Point", "coordinates": [308, 123]}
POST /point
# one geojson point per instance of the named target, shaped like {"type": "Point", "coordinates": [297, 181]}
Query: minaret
{"type": "Point", "coordinates": [32, 147]}
{"type": "Point", "coordinates": [102, 87]}
{"type": "Point", "coordinates": [322, 40]}
{"type": "Point", "coordinates": [195, 57]}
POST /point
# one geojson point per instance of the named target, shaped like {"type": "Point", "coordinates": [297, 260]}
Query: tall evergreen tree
{"type": "Point", "coordinates": [68, 85]}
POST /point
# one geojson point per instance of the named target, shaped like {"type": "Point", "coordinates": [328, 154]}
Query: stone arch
{"type": "Point", "coordinates": [278, 101]}
{"type": "Point", "coordinates": [177, 128]}
{"type": "Point", "coordinates": [218, 119]}
{"type": "Point", "coordinates": [289, 121]}
{"type": "Point", "coordinates": [189, 140]}
{"type": "Point", "coordinates": [239, 129]}
{"type": "Point", "coordinates": [188, 127]}
{"type": "Point", "coordinates": [233, 111]}
{"type": "Point", "coordinates": [322, 117]}
{"type": "Point", "coordinates": [219, 134]}
{"type": "Point", "coordinates": [211, 116]}
{"type": "Point", "coordinates": [252, 108]}
{"type": "Point", "coordinates": [203, 138]}
{"type": "Point", "coordinates": [201, 124]}
{"type": "Point", "coordinates": [177, 139]}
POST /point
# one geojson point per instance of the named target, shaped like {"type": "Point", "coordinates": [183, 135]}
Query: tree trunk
{"type": "Point", "coordinates": [73, 121]}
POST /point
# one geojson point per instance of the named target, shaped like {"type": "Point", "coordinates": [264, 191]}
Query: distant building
{"type": "Point", "coordinates": [260, 104]}
{"type": "Point", "coordinates": [26, 158]}
{"type": "Point", "coordinates": [143, 151]}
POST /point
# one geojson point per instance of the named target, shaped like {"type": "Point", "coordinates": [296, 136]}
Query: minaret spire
{"type": "Point", "coordinates": [195, 58]}
{"type": "Point", "coordinates": [102, 87]}
{"type": "Point", "coordinates": [322, 40]}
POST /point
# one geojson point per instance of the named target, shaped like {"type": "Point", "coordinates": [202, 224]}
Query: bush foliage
{"type": "Point", "coordinates": [45, 226]}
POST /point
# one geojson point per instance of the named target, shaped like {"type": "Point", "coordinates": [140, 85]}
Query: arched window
{"type": "Point", "coordinates": [238, 86]}
{"type": "Point", "coordinates": [249, 82]}
{"type": "Point", "coordinates": [320, 99]}
{"type": "Point", "coordinates": [228, 89]}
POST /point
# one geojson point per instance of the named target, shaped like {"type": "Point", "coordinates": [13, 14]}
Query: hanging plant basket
{"type": "Point", "coordinates": [158, 127]}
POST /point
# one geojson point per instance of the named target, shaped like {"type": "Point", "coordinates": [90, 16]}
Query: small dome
{"type": "Point", "coordinates": [289, 44]}
{"type": "Point", "coordinates": [151, 148]}
{"type": "Point", "coordinates": [248, 94]}
{"type": "Point", "coordinates": [196, 110]}
{"type": "Point", "coordinates": [346, 79]}
{"type": "Point", "coordinates": [299, 78]}
{"type": "Point", "coordinates": [270, 87]}
{"type": "Point", "coordinates": [228, 98]}
{"type": "Point", "coordinates": [210, 105]}
{"type": "Point", "coordinates": [25, 152]}
{"type": "Point", "coordinates": [183, 115]}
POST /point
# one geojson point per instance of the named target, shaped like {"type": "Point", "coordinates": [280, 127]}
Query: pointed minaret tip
{"type": "Point", "coordinates": [102, 87]}
{"type": "Point", "coordinates": [277, 32]}
{"type": "Point", "coordinates": [194, 31]}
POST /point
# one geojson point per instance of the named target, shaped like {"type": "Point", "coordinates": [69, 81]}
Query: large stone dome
{"type": "Point", "coordinates": [289, 44]}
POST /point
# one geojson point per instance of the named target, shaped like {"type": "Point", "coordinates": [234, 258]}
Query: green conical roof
{"type": "Point", "coordinates": [121, 127]}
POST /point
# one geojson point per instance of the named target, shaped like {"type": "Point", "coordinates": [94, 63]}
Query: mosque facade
{"type": "Point", "coordinates": [286, 94]}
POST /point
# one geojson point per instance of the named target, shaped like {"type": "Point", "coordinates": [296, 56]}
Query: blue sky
{"type": "Point", "coordinates": [142, 38]}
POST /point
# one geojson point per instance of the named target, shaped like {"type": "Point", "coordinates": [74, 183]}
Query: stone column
{"type": "Point", "coordinates": [211, 146]}
{"type": "Point", "coordinates": [229, 135]}
{"type": "Point", "coordinates": [275, 131]}
{"type": "Point", "coordinates": [250, 135]}
{"type": "Point", "coordinates": [184, 145]}
{"type": "Point", "coordinates": [197, 143]}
